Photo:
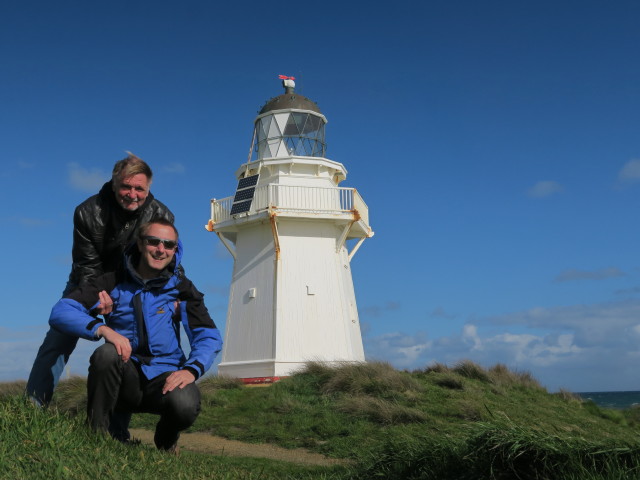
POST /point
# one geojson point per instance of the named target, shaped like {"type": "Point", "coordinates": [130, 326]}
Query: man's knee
{"type": "Point", "coordinates": [183, 406]}
{"type": "Point", "coordinates": [104, 357]}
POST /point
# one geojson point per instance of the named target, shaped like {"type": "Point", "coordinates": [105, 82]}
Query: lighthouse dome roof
{"type": "Point", "coordinates": [290, 100]}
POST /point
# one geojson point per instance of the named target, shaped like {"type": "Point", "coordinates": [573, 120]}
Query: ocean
{"type": "Point", "coordinates": [619, 400]}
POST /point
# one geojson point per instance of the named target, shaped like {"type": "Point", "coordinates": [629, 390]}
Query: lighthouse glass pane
{"type": "Point", "coordinates": [273, 147]}
{"type": "Point", "coordinates": [281, 120]}
{"type": "Point", "coordinates": [263, 128]}
{"type": "Point", "coordinates": [283, 150]}
{"type": "Point", "coordinates": [291, 129]}
{"type": "Point", "coordinates": [299, 120]}
{"type": "Point", "coordinates": [312, 126]}
{"type": "Point", "coordinates": [274, 131]}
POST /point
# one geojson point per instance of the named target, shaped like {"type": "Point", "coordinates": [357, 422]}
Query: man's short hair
{"type": "Point", "coordinates": [129, 166]}
{"type": "Point", "coordinates": [142, 230]}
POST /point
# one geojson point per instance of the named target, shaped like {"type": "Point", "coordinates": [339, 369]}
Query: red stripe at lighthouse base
{"type": "Point", "coordinates": [260, 380]}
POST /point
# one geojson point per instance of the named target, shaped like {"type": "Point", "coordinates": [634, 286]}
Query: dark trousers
{"type": "Point", "coordinates": [114, 385]}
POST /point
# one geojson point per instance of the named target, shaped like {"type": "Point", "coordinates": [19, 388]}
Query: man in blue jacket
{"type": "Point", "coordinates": [142, 367]}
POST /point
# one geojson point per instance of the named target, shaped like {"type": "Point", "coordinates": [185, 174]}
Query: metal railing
{"type": "Point", "coordinates": [316, 200]}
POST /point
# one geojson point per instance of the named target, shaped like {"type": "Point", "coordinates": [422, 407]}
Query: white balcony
{"type": "Point", "coordinates": [297, 201]}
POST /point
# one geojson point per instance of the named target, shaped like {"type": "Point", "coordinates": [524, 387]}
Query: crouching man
{"type": "Point", "coordinates": [141, 367]}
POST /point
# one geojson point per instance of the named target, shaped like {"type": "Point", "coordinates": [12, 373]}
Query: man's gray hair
{"type": "Point", "coordinates": [129, 166]}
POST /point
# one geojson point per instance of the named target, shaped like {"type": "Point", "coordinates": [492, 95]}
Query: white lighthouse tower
{"type": "Point", "coordinates": [292, 298]}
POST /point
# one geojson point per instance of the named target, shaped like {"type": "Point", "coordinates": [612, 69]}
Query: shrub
{"type": "Point", "coordinates": [70, 396]}
{"type": "Point", "coordinates": [212, 383]}
{"type": "Point", "coordinates": [12, 389]}
{"type": "Point", "coordinates": [500, 375]}
{"type": "Point", "coordinates": [469, 369]}
{"type": "Point", "coordinates": [379, 410]}
{"type": "Point", "coordinates": [568, 396]}
{"type": "Point", "coordinates": [435, 368]}
{"type": "Point", "coordinates": [450, 382]}
{"type": "Point", "coordinates": [376, 378]}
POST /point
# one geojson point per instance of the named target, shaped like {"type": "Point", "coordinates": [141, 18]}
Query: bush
{"type": "Point", "coordinates": [70, 396]}
{"type": "Point", "coordinates": [374, 378]}
{"type": "Point", "coordinates": [12, 389]}
{"type": "Point", "coordinates": [380, 411]}
{"type": "Point", "coordinates": [469, 369]}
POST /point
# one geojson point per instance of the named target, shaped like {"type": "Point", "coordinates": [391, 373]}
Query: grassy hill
{"type": "Point", "coordinates": [463, 422]}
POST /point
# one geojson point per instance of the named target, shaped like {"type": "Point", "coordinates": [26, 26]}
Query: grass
{"type": "Point", "coordinates": [459, 422]}
{"type": "Point", "coordinates": [46, 444]}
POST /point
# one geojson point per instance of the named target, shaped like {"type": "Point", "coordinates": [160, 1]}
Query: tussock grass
{"type": "Point", "coordinates": [500, 375]}
{"type": "Point", "coordinates": [569, 397]}
{"type": "Point", "coordinates": [12, 389]}
{"type": "Point", "coordinates": [379, 410]}
{"type": "Point", "coordinates": [449, 381]}
{"type": "Point", "coordinates": [375, 378]}
{"type": "Point", "coordinates": [469, 369]}
{"type": "Point", "coordinates": [501, 451]}
{"type": "Point", "coordinates": [71, 396]}
{"type": "Point", "coordinates": [632, 416]}
{"type": "Point", "coordinates": [211, 384]}
{"type": "Point", "coordinates": [436, 368]}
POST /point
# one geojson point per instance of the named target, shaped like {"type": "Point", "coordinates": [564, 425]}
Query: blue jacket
{"type": "Point", "coordinates": [143, 311]}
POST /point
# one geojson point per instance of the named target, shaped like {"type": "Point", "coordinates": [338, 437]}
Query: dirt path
{"type": "Point", "coordinates": [204, 443]}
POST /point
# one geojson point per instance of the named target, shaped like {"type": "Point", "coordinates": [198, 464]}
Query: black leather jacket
{"type": "Point", "coordinates": [102, 229]}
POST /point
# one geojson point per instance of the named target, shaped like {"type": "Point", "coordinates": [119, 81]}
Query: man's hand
{"type": "Point", "coordinates": [179, 378]}
{"type": "Point", "coordinates": [123, 347]}
{"type": "Point", "coordinates": [105, 306]}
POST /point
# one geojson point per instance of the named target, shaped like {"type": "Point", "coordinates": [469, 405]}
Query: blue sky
{"type": "Point", "coordinates": [495, 142]}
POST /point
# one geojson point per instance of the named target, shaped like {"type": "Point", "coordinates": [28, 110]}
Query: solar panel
{"type": "Point", "coordinates": [248, 181]}
{"type": "Point", "coordinates": [244, 194]}
{"type": "Point", "coordinates": [241, 207]}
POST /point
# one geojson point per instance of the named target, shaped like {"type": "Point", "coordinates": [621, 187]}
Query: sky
{"type": "Point", "coordinates": [495, 142]}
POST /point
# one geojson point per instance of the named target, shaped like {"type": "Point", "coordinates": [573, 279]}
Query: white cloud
{"type": "Point", "coordinates": [174, 168]}
{"type": "Point", "coordinates": [580, 347]}
{"type": "Point", "coordinates": [630, 172]}
{"type": "Point", "coordinates": [603, 273]}
{"type": "Point", "coordinates": [402, 351]}
{"type": "Point", "coordinates": [86, 180]}
{"type": "Point", "coordinates": [544, 188]}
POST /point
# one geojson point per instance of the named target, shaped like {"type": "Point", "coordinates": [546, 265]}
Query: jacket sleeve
{"type": "Point", "coordinates": [204, 336]}
{"type": "Point", "coordinates": [71, 317]}
{"type": "Point", "coordinates": [86, 258]}
{"type": "Point", "coordinates": [74, 315]}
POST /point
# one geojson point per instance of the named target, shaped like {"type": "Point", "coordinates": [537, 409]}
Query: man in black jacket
{"type": "Point", "coordinates": [103, 226]}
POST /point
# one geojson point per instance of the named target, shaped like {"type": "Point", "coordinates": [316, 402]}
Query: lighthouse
{"type": "Point", "coordinates": [292, 232]}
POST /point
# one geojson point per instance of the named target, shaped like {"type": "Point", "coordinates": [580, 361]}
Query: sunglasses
{"type": "Point", "coordinates": [155, 241]}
